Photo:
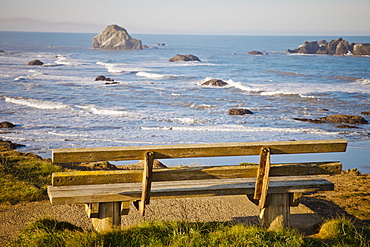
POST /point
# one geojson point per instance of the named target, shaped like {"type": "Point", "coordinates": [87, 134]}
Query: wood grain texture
{"type": "Point", "coordinates": [276, 215]}
{"type": "Point", "coordinates": [194, 173]}
{"type": "Point", "coordinates": [263, 178]}
{"type": "Point", "coordinates": [196, 150]}
{"type": "Point", "coordinates": [119, 192]}
{"type": "Point", "coordinates": [146, 182]}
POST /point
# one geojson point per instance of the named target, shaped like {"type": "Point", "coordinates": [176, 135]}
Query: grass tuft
{"type": "Point", "coordinates": [24, 176]}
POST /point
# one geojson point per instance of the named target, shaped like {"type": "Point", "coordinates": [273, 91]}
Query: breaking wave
{"type": "Point", "coordinates": [154, 75]}
{"type": "Point", "coordinates": [35, 103]}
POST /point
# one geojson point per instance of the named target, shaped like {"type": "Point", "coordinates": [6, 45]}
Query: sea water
{"type": "Point", "coordinates": [156, 102]}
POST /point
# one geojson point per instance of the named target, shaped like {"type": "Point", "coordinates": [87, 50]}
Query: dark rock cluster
{"type": "Point", "coordinates": [334, 47]}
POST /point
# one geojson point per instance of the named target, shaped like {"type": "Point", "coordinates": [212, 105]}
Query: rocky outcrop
{"type": "Point", "coordinates": [103, 78]}
{"type": "Point", "coordinates": [361, 49]}
{"type": "Point", "coordinates": [8, 145]}
{"type": "Point", "coordinates": [184, 58]}
{"type": "Point", "coordinates": [255, 53]}
{"type": "Point", "coordinates": [115, 37]}
{"type": "Point", "coordinates": [6, 125]}
{"type": "Point", "coordinates": [366, 113]}
{"type": "Point", "coordinates": [237, 111]}
{"type": "Point", "coordinates": [215, 83]}
{"type": "Point", "coordinates": [35, 62]}
{"type": "Point", "coordinates": [349, 119]}
{"type": "Point", "coordinates": [334, 47]}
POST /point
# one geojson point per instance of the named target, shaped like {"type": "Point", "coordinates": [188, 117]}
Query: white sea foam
{"type": "Point", "coordinates": [201, 106]}
{"type": "Point", "coordinates": [117, 68]}
{"type": "Point", "coordinates": [33, 76]}
{"type": "Point", "coordinates": [363, 81]}
{"type": "Point", "coordinates": [102, 111]}
{"type": "Point", "coordinates": [246, 88]}
{"type": "Point", "coordinates": [188, 120]}
{"type": "Point", "coordinates": [154, 75]}
{"type": "Point", "coordinates": [240, 128]}
{"type": "Point", "coordinates": [36, 103]}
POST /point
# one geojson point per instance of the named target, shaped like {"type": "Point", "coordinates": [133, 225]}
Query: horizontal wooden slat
{"type": "Point", "coordinates": [194, 173]}
{"type": "Point", "coordinates": [188, 188]}
{"type": "Point", "coordinates": [196, 150]}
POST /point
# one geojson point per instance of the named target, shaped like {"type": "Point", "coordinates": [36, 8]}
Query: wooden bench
{"type": "Point", "coordinates": [273, 187]}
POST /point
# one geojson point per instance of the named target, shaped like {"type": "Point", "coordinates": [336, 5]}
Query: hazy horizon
{"type": "Point", "coordinates": [210, 17]}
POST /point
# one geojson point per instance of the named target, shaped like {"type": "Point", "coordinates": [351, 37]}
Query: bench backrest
{"type": "Point", "coordinates": [196, 150]}
{"type": "Point", "coordinates": [190, 151]}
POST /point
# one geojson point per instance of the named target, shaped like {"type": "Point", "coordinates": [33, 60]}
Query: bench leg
{"type": "Point", "coordinates": [275, 215]}
{"type": "Point", "coordinates": [109, 216]}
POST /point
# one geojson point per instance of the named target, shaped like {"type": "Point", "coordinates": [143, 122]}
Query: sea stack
{"type": "Point", "coordinates": [115, 37]}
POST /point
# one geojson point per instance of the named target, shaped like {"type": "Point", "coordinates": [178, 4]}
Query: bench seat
{"type": "Point", "coordinates": [118, 192]}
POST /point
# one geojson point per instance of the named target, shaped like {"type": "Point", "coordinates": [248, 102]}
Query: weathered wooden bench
{"type": "Point", "coordinates": [274, 188]}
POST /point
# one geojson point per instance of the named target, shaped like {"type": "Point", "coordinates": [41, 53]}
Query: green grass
{"type": "Point", "coordinates": [49, 232]}
{"type": "Point", "coordinates": [24, 176]}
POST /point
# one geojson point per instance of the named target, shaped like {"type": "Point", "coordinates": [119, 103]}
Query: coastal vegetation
{"type": "Point", "coordinates": [48, 232]}
{"type": "Point", "coordinates": [25, 176]}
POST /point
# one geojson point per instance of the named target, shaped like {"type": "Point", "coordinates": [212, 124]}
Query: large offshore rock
{"type": "Point", "coordinates": [361, 49]}
{"type": "Point", "coordinates": [115, 37]}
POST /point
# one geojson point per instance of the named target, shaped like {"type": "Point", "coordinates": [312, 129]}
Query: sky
{"type": "Point", "coordinates": [216, 17]}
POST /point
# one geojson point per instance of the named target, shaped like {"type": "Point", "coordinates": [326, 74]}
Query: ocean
{"type": "Point", "coordinates": [156, 102]}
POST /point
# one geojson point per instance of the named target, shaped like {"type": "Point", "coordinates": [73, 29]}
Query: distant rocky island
{"type": "Point", "coordinates": [115, 37]}
{"type": "Point", "coordinates": [334, 47]}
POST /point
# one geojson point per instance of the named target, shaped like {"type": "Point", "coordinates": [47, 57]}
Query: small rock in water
{"type": "Point", "coordinates": [35, 62]}
{"type": "Point", "coordinates": [6, 124]}
{"type": "Point", "coordinates": [350, 119]}
{"type": "Point", "coordinates": [184, 58]}
{"type": "Point", "coordinates": [215, 82]}
{"type": "Point", "coordinates": [237, 111]}
{"type": "Point", "coordinates": [255, 53]}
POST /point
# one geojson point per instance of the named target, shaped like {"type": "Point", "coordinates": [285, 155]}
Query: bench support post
{"type": "Point", "coordinates": [275, 215]}
{"type": "Point", "coordinates": [263, 176]}
{"type": "Point", "coordinates": [109, 216]}
{"type": "Point", "coordinates": [147, 181]}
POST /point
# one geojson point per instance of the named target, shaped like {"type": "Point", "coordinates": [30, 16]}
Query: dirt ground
{"type": "Point", "coordinates": [350, 198]}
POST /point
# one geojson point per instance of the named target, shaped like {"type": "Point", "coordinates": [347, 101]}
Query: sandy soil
{"type": "Point", "coordinates": [350, 198]}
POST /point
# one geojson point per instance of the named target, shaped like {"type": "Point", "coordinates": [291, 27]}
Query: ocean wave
{"type": "Point", "coordinates": [274, 90]}
{"type": "Point", "coordinates": [363, 81]}
{"type": "Point", "coordinates": [286, 73]}
{"type": "Point", "coordinates": [240, 128]}
{"type": "Point", "coordinates": [27, 77]}
{"type": "Point", "coordinates": [189, 120]}
{"type": "Point", "coordinates": [201, 106]}
{"type": "Point", "coordinates": [36, 103]}
{"type": "Point", "coordinates": [246, 88]}
{"type": "Point", "coordinates": [103, 111]}
{"type": "Point", "coordinates": [154, 75]}
{"type": "Point", "coordinates": [117, 68]}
